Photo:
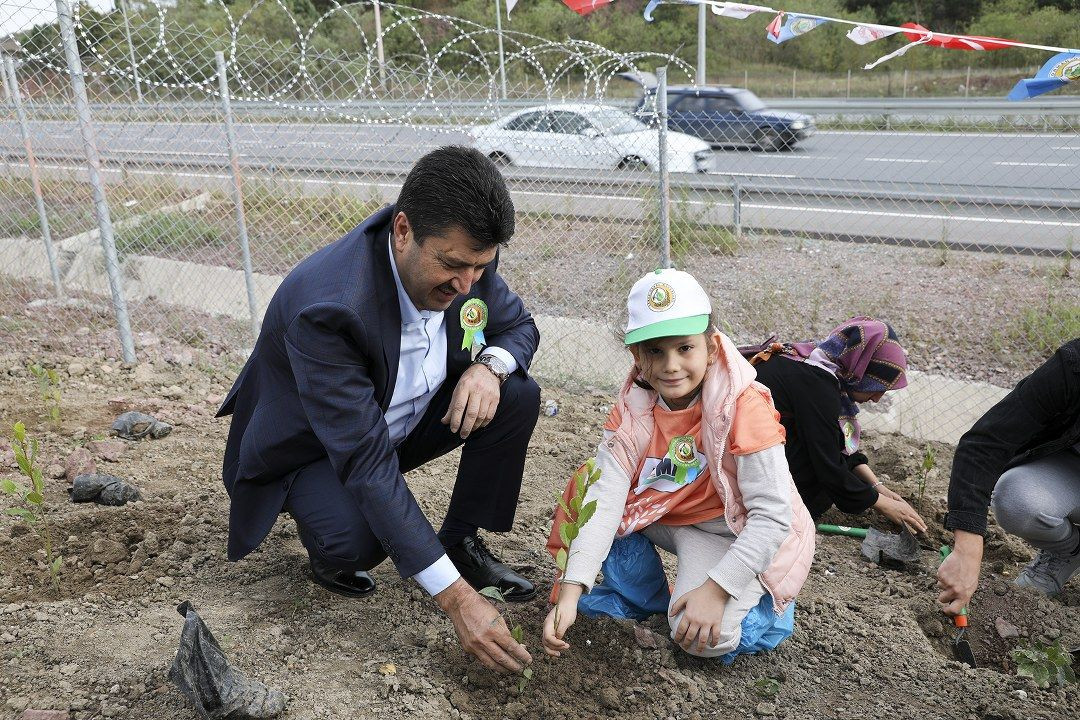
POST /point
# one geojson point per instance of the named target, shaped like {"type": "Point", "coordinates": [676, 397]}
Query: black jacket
{"type": "Point", "coordinates": [320, 378]}
{"type": "Point", "coordinates": [808, 400]}
{"type": "Point", "coordinates": [1041, 416]}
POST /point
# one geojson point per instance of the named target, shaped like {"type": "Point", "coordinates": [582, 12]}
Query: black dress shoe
{"type": "Point", "coordinates": [481, 569]}
{"type": "Point", "coordinates": [342, 582]}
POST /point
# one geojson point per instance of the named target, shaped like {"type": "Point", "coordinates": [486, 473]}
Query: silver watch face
{"type": "Point", "coordinates": [495, 364]}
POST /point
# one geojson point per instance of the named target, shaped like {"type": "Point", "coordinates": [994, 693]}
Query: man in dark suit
{"type": "Point", "coordinates": [364, 370]}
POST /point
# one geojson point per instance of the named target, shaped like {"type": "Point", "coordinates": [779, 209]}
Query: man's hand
{"type": "Point", "coordinates": [703, 609]}
{"type": "Point", "coordinates": [481, 630]}
{"type": "Point", "coordinates": [958, 576]}
{"type": "Point", "coordinates": [475, 400]}
{"type": "Point", "coordinates": [900, 512]}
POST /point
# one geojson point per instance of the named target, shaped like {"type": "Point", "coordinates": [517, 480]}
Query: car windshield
{"type": "Point", "coordinates": [616, 122]}
{"type": "Point", "coordinates": [749, 101]}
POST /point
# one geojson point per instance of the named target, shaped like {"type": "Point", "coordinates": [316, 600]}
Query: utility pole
{"type": "Point", "coordinates": [699, 80]}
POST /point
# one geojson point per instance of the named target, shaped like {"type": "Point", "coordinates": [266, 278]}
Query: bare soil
{"type": "Point", "coordinates": [869, 642]}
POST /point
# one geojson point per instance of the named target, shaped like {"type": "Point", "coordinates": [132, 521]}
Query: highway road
{"type": "Point", "coordinates": [1016, 189]}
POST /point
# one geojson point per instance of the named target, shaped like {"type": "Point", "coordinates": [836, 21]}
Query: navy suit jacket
{"type": "Point", "coordinates": [321, 376]}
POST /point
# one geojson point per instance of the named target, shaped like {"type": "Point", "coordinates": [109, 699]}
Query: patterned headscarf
{"type": "Point", "coordinates": [864, 355]}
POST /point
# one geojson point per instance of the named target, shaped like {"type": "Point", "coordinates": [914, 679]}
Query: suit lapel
{"type": "Point", "coordinates": [389, 312]}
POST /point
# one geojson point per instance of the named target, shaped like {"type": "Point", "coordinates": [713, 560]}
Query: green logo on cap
{"type": "Point", "coordinates": [661, 296]}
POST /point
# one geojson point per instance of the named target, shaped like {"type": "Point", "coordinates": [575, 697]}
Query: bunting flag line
{"type": "Point", "coordinates": [788, 25]}
{"type": "Point", "coordinates": [1058, 71]}
{"type": "Point", "coordinates": [584, 7]}
{"type": "Point", "coordinates": [1063, 68]}
{"type": "Point", "coordinates": [863, 34]}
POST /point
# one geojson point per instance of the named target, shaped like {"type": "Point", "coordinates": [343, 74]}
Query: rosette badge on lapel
{"type": "Point", "coordinates": [474, 317]}
{"type": "Point", "coordinates": [683, 455]}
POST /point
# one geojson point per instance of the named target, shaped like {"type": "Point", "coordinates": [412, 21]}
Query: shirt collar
{"type": "Point", "coordinates": [409, 313]}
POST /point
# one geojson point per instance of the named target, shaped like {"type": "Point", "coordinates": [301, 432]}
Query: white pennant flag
{"type": "Point", "coordinates": [737, 10]}
{"type": "Point", "coordinates": [510, 6]}
{"type": "Point", "coordinates": [863, 34]}
{"type": "Point", "coordinates": [897, 53]}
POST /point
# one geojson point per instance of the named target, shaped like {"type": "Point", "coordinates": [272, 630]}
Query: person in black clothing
{"type": "Point", "coordinates": [1022, 458]}
{"type": "Point", "coordinates": [816, 388]}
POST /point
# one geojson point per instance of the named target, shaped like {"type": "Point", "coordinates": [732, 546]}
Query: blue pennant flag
{"type": "Point", "coordinates": [1058, 71]}
{"type": "Point", "coordinates": [788, 25]}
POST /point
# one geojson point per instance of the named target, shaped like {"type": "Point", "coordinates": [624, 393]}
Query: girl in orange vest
{"type": "Point", "coordinates": [692, 457]}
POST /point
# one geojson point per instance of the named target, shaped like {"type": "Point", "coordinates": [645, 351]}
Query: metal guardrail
{"type": "Point", "coordinates": [922, 108]}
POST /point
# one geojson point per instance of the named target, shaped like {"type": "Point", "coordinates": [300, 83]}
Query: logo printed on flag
{"type": "Point", "coordinates": [1057, 72]}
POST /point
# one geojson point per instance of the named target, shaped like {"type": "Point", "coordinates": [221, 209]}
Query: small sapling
{"type": "Point", "coordinates": [578, 513]}
{"type": "Point", "coordinates": [48, 383]}
{"type": "Point", "coordinates": [928, 463]}
{"type": "Point", "coordinates": [1045, 664]}
{"type": "Point", "coordinates": [32, 510]}
{"type": "Point", "coordinates": [516, 631]}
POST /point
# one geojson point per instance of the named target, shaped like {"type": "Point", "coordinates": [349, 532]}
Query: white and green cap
{"type": "Point", "coordinates": [666, 303]}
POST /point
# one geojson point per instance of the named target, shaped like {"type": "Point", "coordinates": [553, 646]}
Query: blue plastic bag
{"type": "Point", "coordinates": [635, 588]}
{"type": "Point", "coordinates": [634, 585]}
{"type": "Point", "coordinates": [763, 629]}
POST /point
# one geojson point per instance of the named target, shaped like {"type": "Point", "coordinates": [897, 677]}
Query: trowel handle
{"type": "Point", "coordinates": [841, 530]}
{"type": "Point", "coordinates": [960, 620]}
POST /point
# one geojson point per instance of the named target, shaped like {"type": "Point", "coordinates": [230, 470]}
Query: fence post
{"type": "Point", "coordinates": [849, 84]}
{"type": "Point", "coordinates": [502, 56]}
{"type": "Point", "coordinates": [7, 90]}
{"type": "Point", "coordinates": [905, 83]}
{"type": "Point", "coordinates": [793, 71]}
{"type": "Point", "coordinates": [12, 83]}
{"type": "Point", "coordinates": [967, 83]}
{"type": "Point", "coordinates": [131, 50]}
{"type": "Point", "coordinates": [665, 181]}
{"type": "Point", "coordinates": [93, 170]}
{"type": "Point", "coordinates": [238, 192]}
{"type": "Point", "coordinates": [736, 207]}
{"type": "Point", "coordinates": [746, 79]}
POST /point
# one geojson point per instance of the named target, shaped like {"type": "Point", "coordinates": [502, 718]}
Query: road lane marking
{"type": "Point", "coordinates": [1033, 164]}
{"type": "Point", "coordinates": [899, 160]}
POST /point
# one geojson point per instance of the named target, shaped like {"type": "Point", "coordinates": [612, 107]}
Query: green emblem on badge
{"type": "Point", "coordinates": [683, 455]}
{"type": "Point", "coordinates": [474, 317]}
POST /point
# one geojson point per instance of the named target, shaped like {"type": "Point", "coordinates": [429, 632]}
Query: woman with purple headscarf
{"type": "Point", "coordinates": [816, 387]}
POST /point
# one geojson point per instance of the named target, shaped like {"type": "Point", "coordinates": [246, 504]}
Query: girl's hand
{"type": "Point", "coordinates": [702, 609]}
{"type": "Point", "coordinates": [900, 512]}
{"type": "Point", "coordinates": [553, 641]}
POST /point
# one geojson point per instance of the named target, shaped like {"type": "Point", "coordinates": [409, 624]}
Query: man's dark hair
{"type": "Point", "coordinates": [457, 187]}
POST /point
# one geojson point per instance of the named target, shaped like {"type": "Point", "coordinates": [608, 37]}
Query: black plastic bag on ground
{"type": "Point", "coordinates": [136, 425]}
{"type": "Point", "coordinates": [103, 489]}
{"type": "Point", "coordinates": [895, 550]}
{"type": "Point", "coordinates": [205, 677]}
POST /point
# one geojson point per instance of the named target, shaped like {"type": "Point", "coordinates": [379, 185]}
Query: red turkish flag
{"type": "Point", "coordinates": [958, 42]}
{"type": "Point", "coordinates": [584, 7]}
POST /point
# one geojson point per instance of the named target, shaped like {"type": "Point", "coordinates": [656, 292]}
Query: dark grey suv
{"type": "Point", "coordinates": [728, 116]}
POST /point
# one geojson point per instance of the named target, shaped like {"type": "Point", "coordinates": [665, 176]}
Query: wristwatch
{"type": "Point", "coordinates": [495, 365]}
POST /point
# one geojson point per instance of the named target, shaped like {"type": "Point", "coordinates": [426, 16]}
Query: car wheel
{"type": "Point", "coordinates": [633, 162]}
{"type": "Point", "coordinates": [768, 139]}
{"type": "Point", "coordinates": [501, 159]}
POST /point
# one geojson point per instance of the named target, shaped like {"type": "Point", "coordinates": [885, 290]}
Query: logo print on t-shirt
{"type": "Point", "coordinates": [661, 473]}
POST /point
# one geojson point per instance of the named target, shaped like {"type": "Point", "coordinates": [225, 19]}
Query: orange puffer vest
{"type": "Point", "coordinates": [725, 380]}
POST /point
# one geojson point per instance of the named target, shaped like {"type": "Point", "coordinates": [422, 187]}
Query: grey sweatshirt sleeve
{"type": "Point", "coordinates": [765, 482]}
{"type": "Point", "coordinates": [589, 549]}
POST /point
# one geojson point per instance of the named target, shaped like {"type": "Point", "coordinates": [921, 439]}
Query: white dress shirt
{"type": "Point", "coordinates": [421, 372]}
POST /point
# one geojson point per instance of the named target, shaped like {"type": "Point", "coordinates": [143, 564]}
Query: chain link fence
{"type": "Point", "coordinates": [235, 139]}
